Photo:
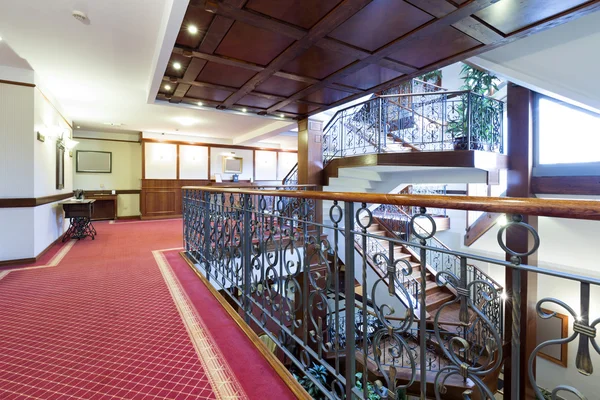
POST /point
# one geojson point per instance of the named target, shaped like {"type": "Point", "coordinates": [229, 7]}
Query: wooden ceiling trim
{"type": "Point", "coordinates": [191, 72]}
{"type": "Point", "coordinates": [332, 20]}
{"type": "Point", "coordinates": [560, 19]}
{"type": "Point", "coordinates": [261, 21]}
{"type": "Point", "coordinates": [230, 89]}
{"type": "Point", "coordinates": [424, 31]}
{"type": "Point", "coordinates": [254, 67]}
{"type": "Point", "coordinates": [217, 30]}
{"type": "Point", "coordinates": [470, 26]}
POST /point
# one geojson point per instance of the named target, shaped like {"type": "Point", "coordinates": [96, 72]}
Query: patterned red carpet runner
{"type": "Point", "coordinates": [110, 318]}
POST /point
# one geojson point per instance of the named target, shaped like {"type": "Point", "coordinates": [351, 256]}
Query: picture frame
{"type": "Point", "coordinates": [97, 162]}
{"type": "Point", "coordinates": [555, 327]}
{"type": "Point", "coordinates": [218, 178]}
{"type": "Point", "coordinates": [60, 166]}
{"type": "Point", "coordinates": [232, 165]}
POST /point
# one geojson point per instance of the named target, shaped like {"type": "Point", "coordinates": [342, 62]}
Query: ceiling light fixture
{"type": "Point", "coordinates": [200, 103]}
{"type": "Point", "coordinates": [0, 38]}
{"type": "Point", "coordinates": [244, 109]}
{"type": "Point", "coordinates": [176, 65]}
{"type": "Point", "coordinates": [192, 29]}
{"type": "Point", "coordinates": [282, 115]}
{"type": "Point", "coordinates": [167, 87]}
{"type": "Point", "coordinates": [78, 127]}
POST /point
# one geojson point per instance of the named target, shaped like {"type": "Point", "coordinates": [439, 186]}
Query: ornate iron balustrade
{"type": "Point", "coordinates": [292, 177]}
{"type": "Point", "coordinates": [285, 275]}
{"type": "Point", "coordinates": [435, 121]}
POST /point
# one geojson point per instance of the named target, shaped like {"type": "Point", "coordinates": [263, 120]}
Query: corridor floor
{"type": "Point", "coordinates": [123, 317]}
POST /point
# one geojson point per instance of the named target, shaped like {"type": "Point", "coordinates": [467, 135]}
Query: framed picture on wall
{"type": "Point", "coordinates": [99, 162]}
{"type": "Point", "coordinates": [555, 327]}
{"type": "Point", "coordinates": [232, 165]}
{"type": "Point", "coordinates": [60, 166]}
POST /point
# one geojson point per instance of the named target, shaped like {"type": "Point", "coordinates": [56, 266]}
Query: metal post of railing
{"type": "Point", "coordinates": [349, 289]}
{"type": "Point", "coordinates": [423, 317]}
{"type": "Point", "coordinates": [380, 131]}
{"type": "Point", "coordinates": [515, 356]}
{"type": "Point", "coordinates": [246, 254]}
{"type": "Point", "coordinates": [469, 120]}
{"type": "Point", "coordinates": [207, 247]}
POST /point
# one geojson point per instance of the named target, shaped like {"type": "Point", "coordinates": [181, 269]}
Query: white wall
{"type": "Point", "coordinates": [28, 170]}
{"type": "Point", "coordinates": [16, 141]}
{"type": "Point", "coordinates": [266, 165]}
{"type": "Point", "coordinates": [160, 161]}
{"type": "Point", "coordinates": [193, 162]}
{"type": "Point", "coordinates": [126, 170]}
{"type": "Point", "coordinates": [44, 161]}
{"type": "Point", "coordinates": [286, 163]}
{"type": "Point", "coordinates": [216, 162]}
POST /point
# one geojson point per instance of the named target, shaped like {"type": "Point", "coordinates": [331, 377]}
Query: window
{"type": "Point", "coordinates": [567, 138]}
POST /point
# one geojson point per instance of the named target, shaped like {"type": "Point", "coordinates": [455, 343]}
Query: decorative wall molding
{"type": "Point", "coordinates": [33, 201]}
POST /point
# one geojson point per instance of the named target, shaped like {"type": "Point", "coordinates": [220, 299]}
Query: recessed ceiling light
{"type": "Point", "coordinates": [0, 38]}
{"type": "Point", "coordinates": [78, 127]}
{"type": "Point", "coordinates": [176, 65]}
{"type": "Point", "coordinates": [192, 29]}
{"type": "Point", "coordinates": [167, 87]}
{"type": "Point", "coordinates": [200, 103]}
{"type": "Point", "coordinates": [282, 115]}
{"type": "Point", "coordinates": [244, 109]}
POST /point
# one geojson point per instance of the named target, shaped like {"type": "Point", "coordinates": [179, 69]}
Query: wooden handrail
{"type": "Point", "coordinates": [578, 209]}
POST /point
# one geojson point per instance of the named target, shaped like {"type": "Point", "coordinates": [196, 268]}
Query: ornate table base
{"type": "Point", "coordinates": [79, 228]}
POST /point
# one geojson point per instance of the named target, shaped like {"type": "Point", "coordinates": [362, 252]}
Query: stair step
{"type": "Point", "coordinates": [376, 232]}
{"type": "Point", "coordinates": [437, 299]}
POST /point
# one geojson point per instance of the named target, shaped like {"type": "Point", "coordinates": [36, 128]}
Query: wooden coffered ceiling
{"type": "Point", "coordinates": [298, 57]}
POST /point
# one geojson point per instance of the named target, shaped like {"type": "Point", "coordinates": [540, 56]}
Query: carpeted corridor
{"type": "Point", "coordinates": [123, 317]}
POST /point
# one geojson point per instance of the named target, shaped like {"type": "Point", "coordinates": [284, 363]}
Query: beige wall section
{"type": "Point", "coordinates": [126, 172]}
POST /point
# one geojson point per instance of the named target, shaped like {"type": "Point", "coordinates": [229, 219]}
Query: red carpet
{"type": "Point", "coordinates": [111, 321]}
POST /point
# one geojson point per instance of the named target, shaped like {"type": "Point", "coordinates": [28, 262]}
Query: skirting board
{"type": "Point", "coordinates": [31, 260]}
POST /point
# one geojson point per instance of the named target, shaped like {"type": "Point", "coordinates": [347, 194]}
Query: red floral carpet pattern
{"type": "Point", "coordinates": [108, 319]}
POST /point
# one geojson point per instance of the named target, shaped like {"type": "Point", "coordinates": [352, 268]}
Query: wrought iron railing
{"type": "Point", "coordinates": [435, 121]}
{"type": "Point", "coordinates": [292, 177]}
{"type": "Point", "coordinates": [294, 277]}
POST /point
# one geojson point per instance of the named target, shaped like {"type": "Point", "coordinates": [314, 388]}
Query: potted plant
{"type": "Point", "coordinates": [474, 104]}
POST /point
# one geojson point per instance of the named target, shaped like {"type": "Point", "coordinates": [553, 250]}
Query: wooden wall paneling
{"type": "Point", "coordinates": [571, 185]}
{"type": "Point", "coordinates": [177, 156]}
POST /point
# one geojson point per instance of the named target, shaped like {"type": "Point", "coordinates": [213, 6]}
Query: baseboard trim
{"type": "Point", "coordinates": [273, 361]}
{"type": "Point", "coordinates": [169, 216]}
{"type": "Point", "coordinates": [138, 217]}
{"type": "Point", "coordinates": [31, 260]}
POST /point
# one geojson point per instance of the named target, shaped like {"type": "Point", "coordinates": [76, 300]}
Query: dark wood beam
{"type": "Point", "coordinates": [231, 89]}
{"type": "Point", "coordinates": [332, 20]}
{"type": "Point", "coordinates": [570, 185]}
{"type": "Point", "coordinates": [424, 31]}
{"type": "Point", "coordinates": [520, 152]}
{"type": "Point", "coordinates": [470, 26]}
{"type": "Point", "coordinates": [191, 72]}
{"type": "Point", "coordinates": [562, 18]}
{"type": "Point", "coordinates": [255, 67]}
{"type": "Point", "coordinates": [294, 32]}
{"type": "Point", "coordinates": [217, 30]}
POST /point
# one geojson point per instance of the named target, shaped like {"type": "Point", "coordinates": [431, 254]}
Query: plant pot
{"type": "Point", "coordinates": [461, 143]}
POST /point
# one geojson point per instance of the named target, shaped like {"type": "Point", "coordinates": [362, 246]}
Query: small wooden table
{"type": "Point", "coordinates": [105, 206]}
{"type": "Point", "coordinates": [80, 213]}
